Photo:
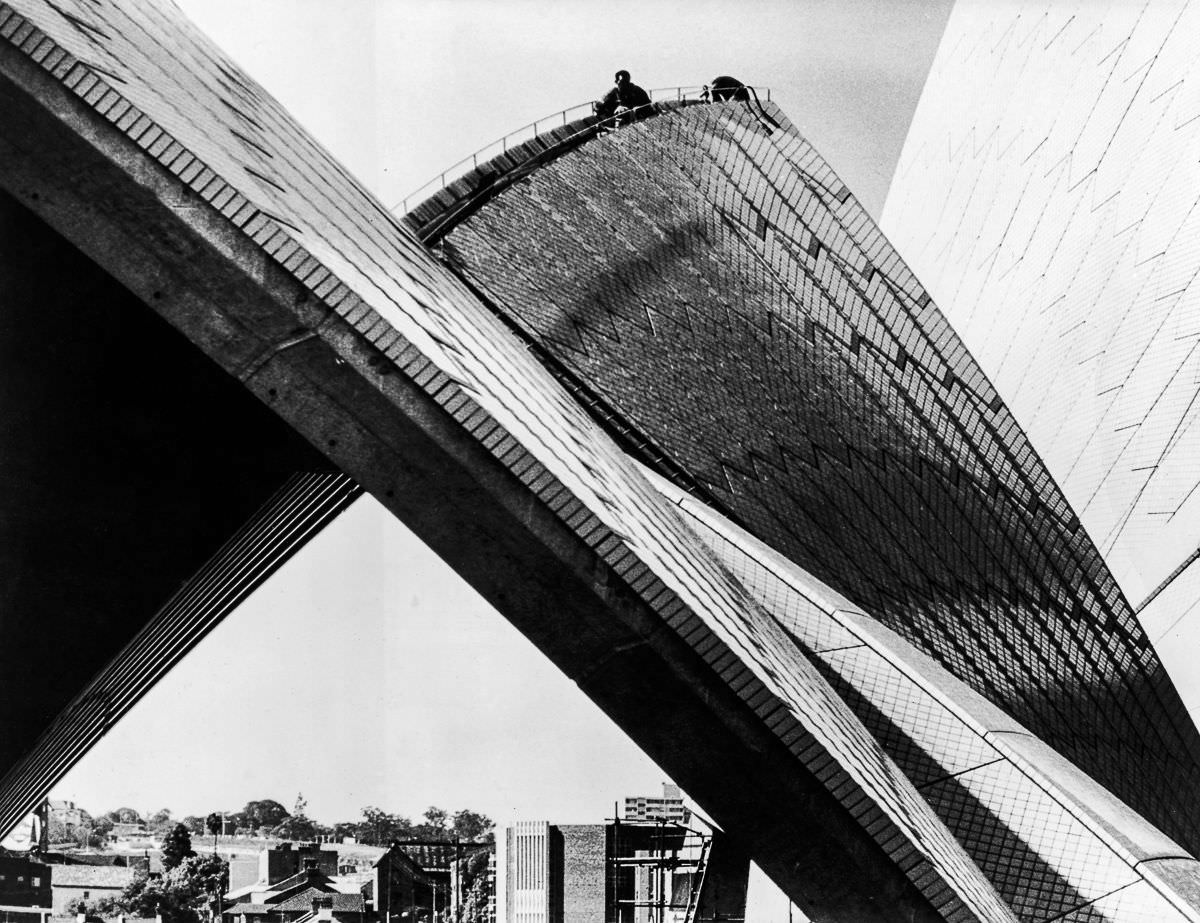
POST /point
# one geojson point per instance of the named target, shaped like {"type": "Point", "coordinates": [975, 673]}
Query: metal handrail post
{"type": "Point", "coordinates": [681, 95]}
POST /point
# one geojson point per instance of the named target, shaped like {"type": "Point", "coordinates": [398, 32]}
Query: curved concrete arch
{"type": "Point", "coordinates": [348, 328]}
{"type": "Point", "coordinates": [240, 231]}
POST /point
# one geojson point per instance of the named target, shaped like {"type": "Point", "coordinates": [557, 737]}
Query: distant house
{"type": "Point", "coordinates": [64, 812]}
{"type": "Point", "coordinates": [23, 883]}
{"type": "Point", "coordinates": [281, 862]}
{"type": "Point", "coordinates": [405, 889]}
{"type": "Point", "coordinates": [306, 908]}
{"type": "Point", "coordinates": [69, 883]}
{"type": "Point", "coordinates": [122, 831]}
{"type": "Point", "coordinates": [307, 897]}
{"type": "Point", "coordinates": [418, 880]}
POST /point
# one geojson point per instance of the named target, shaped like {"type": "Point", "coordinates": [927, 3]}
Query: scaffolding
{"type": "Point", "coordinates": [656, 872]}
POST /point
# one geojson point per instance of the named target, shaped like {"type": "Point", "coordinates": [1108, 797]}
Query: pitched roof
{"type": "Point", "coordinates": [351, 884]}
{"type": "Point", "coordinates": [300, 879]}
{"type": "Point", "coordinates": [94, 876]}
{"type": "Point", "coordinates": [247, 889]}
{"type": "Point", "coordinates": [304, 900]}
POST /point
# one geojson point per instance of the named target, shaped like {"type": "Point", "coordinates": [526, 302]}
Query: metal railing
{"type": "Point", "coordinates": [533, 130]}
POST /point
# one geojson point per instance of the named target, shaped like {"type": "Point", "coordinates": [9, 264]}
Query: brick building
{"type": "Point", "coordinates": [619, 872]}
{"type": "Point", "coordinates": [24, 883]}
{"type": "Point", "coordinates": [307, 896]}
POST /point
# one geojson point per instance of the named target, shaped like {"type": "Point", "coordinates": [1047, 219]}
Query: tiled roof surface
{"type": "Point", "coordinates": [1067, 230]}
{"type": "Point", "coordinates": [304, 900]}
{"type": "Point", "coordinates": [1049, 838]}
{"type": "Point", "coordinates": [440, 856]}
{"type": "Point", "coordinates": [727, 299]}
{"type": "Point", "coordinates": [97, 876]}
{"type": "Point", "coordinates": [180, 113]}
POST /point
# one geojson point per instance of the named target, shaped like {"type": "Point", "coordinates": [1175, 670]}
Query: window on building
{"type": "Point", "coordinates": [37, 882]}
{"type": "Point", "coordinates": [86, 895]}
{"type": "Point", "coordinates": [20, 878]}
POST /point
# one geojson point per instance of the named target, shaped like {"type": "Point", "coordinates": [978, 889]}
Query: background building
{"type": "Point", "coordinates": [669, 807]}
{"type": "Point", "coordinates": [679, 377]}
{"type": "Point", "coordinates": [618, 872]}
{"type": "Point", "coordinates": [72, 883]}
{"type": "Point", "coordinates": [24, 883]}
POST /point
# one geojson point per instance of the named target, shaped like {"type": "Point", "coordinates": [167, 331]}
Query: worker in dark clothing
{"type": "Point", "coordinates": [729, 88]}
{"type": "Point", "coordinates": [625, 100]}
{"type": "Point", "coordinates": [726, 89]}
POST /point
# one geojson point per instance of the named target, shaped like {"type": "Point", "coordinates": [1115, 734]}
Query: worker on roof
{"type": "Point", "coordinates": [626, 100]}
{"type": "Point", "coordinates": [729, 88]}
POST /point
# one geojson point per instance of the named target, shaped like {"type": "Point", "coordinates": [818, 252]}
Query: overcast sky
{"type": "Point", "coordinates": [365, 672]}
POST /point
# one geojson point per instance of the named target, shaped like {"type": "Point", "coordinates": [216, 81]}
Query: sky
{"type": "Point", "coordinates": [365, 672]}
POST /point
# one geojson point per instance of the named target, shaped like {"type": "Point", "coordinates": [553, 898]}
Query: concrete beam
{"type": "Point", "coordinates": [384, 428]}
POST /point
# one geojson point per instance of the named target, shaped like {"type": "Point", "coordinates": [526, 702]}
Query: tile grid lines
{"type": "Point", "coordinates": [1142, 210]}
{"type": "Point", "coordinates": [312, 275]}
{"type": "Point", "coordinates": [1152, 166]}
{"type": "Point", "coordinates": [1121, 622]}
{"type": "Point", "coordinates": [818, 282]}
{"type": "Point", "coordinates": [614, 422]}
{"type": "Point", "coordinates": [757, 689]}
{"type": "Point", "coordinates": [833, 606]}
{"type": "Point", "coordinates": [851, 279]}
{"type": "Point", "coordinates": [485, 243]}
{"type": "Point", "coordinates": [832, 301]}
{"type": "Point", "coordinates": [919, 322]}
{"type": "Point", "coordinates": [1067, 660]}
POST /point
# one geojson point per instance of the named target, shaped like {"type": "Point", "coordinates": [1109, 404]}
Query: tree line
{"type": "Point", "coordinates": [268, 818]}
{"type": "Point", "coordinates": [191, 884]}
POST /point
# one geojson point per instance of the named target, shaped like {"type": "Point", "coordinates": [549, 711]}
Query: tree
{"type": "Point", "coordinates": [194, 823]}
{"type": "Point", "coordinates": [203, 874]}
{"type": "Point", "coordinates": [148, 897]}
{"type": "Point", "coordinates": [177, 846]}
{"type": "Point", "coordinates": [346, 828]}
{"type": "Point", "coordinates": [296, 827]}
{"type": "Point", "coordinates": [435, 822]}
{"type": "Point", "coordinates": [380, 828]}
{"type": "Point", "coordinates": [476, 889]}
{"type": "Point", "coordinates": [124, 816]}
{"type": "Point", "coordinates": [265, 813]}
{"type": "Point", "coordinates": [180, 894]}
{"type": "Point", "coordinates": [101, 907]}
{"type": "Point", "coordinates": [215, 824]}
{"type": "Point", "coordinates": [160, 821]}
{"type": "Point", "coordinates": [471, 827]}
